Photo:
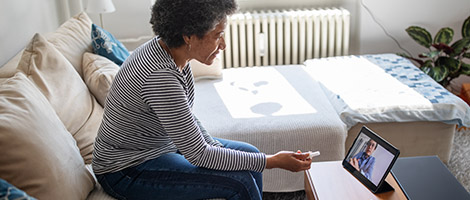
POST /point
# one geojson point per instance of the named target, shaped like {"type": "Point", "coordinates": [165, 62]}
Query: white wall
{"type": "Point", "coordinates": [131, 19]}
{"type": "Point", "coordinates": [397, 15]}
{"type": "Point", "coordinates": [20, 19]}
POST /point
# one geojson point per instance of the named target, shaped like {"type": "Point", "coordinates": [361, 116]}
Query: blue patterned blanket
{"type": "Point", "coordinates": [385, 88]}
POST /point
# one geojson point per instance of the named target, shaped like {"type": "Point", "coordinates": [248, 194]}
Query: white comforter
{"type": "Point", "coordinates": [385, 88]}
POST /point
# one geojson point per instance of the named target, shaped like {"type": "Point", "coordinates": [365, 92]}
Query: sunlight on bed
{"type": "Point", "coordinates": [260, 93]}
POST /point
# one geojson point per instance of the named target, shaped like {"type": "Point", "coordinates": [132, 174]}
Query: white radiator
{"type": "Point", "coordinates": [283, 37]}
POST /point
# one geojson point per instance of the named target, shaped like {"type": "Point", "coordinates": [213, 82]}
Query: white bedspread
{"type": "Point", "coordinates": [385, 88]}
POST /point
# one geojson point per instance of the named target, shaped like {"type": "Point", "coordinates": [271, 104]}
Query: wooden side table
{"type": "Point", "coordinates": [330, 181]}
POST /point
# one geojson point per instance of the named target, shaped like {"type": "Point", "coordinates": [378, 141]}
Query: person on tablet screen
{"type": "Point", "coordinates": [364, 161]}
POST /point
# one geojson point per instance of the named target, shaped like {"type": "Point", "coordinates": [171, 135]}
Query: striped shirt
{"type": "Point", "coordinates": [148, 112]}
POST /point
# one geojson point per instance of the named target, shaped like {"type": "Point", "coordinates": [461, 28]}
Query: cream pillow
{"type": "Point", "coordinates": [9, 68]}
{"type": "Point", "coordinates": [57, 79]}
{"type": "Point", "coordinates": [98, 73]}
{"type": "Point", "coordinates": [203, 71]}
{"type": "Point", "coordinates": [73, 38]}
{"type": "Point", "coordinates": [39, 156]}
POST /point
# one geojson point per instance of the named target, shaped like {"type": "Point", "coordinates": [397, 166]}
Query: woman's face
{"type": "Point", "coordinates": [205, 49]}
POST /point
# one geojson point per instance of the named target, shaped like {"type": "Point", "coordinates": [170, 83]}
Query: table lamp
{"type": "Point", "coordinates": [100, 7]}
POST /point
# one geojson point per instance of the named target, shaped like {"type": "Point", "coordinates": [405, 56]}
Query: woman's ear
{"type": "Point", "coordinates": [187, 39]}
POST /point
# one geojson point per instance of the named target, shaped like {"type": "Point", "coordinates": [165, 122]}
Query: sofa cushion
{"type": "Point", "coordinates": [203, 71]}
{"type": "Point", "coordinates": [39, 156]}
{"type": "Point", "coordinates": [72, 39]}
{"type": "Point", "coordinates": [9, 68]}
{"type": "Point", "coordinates": [57, 79]}
{"type": "Point", "coordinates": [106, 45]}
{"type": "Point", "coordinates": [98, 74]}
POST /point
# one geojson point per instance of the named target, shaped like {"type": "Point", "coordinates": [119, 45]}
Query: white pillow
{"type": "Point", "coordinates": [9, 68]}
{"type": "Point", "coordinates": [39, 156]}
{"type": "Point", "coordinates": [203, 71]}
{"type": "Point", "coordinates": [60, 83]}
{"type": "Point", "coordinates": [73, 38]}
{"type": "Point", "coordinates": [98, 73]}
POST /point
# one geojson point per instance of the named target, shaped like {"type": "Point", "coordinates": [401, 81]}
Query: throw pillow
{"type": "Point", "coordinates": [106, 45]}
{"type": "Point", "coordinates": [9, 68]}
{"type": "Point", "coordinates": [98, 73]}
{"type": "Point", "coordinates": [39, 156]}
{"type": "Point", "coordinates": [57, 79]}
{"type": "Point", "coordinates": [72, 39]}
{"type": "Point", "coordinates": [8, 191]}
{"type": "Point", "coordinates": [203, 71]}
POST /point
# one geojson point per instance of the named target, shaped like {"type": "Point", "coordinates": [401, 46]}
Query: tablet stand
{"type": "Point", "coordinates": [385, 187]}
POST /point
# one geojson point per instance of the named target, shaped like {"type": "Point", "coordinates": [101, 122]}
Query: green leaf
{"type": "Point", "coordinates": [431, 54]}
{"type": "Point", "coordinates": [465, 68]}
{"type": "Point", "coordinates": [438, 73]}
{"type": "Point", "coordinates": [453, 65]}
{"type": "Point", "coordinates": [445, 35]}
{"type": "Point", "coordinates": [466, 28]}
{"type": "Point", "coordinates": [420, 35]}
{"type": "Point", "coordinates": [460, 45]}
{"type": "Point", "coordinates": [466, 55]}
{"type": "Point", "coordinates": [427, 66]}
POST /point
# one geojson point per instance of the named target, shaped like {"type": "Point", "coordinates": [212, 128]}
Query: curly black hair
{"type": "Point", "coordinates": [173, 19]}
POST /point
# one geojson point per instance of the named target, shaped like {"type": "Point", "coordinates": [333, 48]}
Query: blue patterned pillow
{"type": "Point", "coordinates": [106, 45]}
{"type": "Point", "coordinates": [8, 191]}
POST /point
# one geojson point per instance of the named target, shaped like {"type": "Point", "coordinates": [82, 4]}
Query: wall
{"type": "Point", "coordinates": [397, 15]}
{"type": "Point", "coordinates": [366, 35]}
{"type": "Point", "coordinates": [20, 19]}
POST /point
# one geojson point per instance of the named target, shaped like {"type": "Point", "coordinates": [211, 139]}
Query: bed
{"type": "Point", "coordinates": [322, 104]}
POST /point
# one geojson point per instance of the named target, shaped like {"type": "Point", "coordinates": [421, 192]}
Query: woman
{"type": "Point", "coordinates": [150, 145]}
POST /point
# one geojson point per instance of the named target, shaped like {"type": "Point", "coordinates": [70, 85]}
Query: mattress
{"type": "Point", "coordinates": [274, 108]}
{"type": "Point", "coordinates": [385, 88]}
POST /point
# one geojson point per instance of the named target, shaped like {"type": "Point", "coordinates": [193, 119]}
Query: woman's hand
{"type": "Point", "coordinates": [288, 160]}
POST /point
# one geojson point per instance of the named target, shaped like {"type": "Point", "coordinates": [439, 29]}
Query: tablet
{"type": "Point", "coordinates": [370, 159]}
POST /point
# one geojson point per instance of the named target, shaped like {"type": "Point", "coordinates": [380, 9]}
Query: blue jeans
{"type": "Point", "coordinates": [171, 176]}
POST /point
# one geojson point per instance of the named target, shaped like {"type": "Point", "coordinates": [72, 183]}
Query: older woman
{"type": "Point", "coordinates": [150, 145]}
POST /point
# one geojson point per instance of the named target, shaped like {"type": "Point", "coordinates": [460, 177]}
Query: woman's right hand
{"type": "Point", "coordinates": [288, 160]}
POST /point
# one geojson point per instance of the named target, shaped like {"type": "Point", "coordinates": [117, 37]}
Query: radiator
{"type": "Point", "coordinates": [282, 37]}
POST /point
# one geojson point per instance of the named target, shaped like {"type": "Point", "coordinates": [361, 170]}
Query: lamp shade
{"type": "Point", "coordinates": [100, 6]}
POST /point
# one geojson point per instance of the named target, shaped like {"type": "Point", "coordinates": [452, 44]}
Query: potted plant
{"type": "Point", "coordinates": [443, 61]}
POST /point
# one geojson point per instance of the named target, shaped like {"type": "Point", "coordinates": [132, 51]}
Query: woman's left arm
{"type": "Point", "coordinates": [206, 135]}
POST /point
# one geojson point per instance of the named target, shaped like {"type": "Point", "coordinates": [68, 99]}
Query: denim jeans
{"type": "Point", "coordinates": [171, 176]}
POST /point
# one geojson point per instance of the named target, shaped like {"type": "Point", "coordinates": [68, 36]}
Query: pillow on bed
{"type": "Point", "coordinates": [203, 71]}
{"type": "Point", "coordinates": [57, 79]}
{"type": "Point", "coordinates": [72, 39]}
{"type": "Point", "coordinates": [106, 45]}
{"type": "Point", "coordinates": [39, 156]}
{"type": "Point", "coordinates": [98, 73]}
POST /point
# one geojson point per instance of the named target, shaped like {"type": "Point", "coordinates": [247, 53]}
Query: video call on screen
{"type": "Point", "coordinates": [373, 159]}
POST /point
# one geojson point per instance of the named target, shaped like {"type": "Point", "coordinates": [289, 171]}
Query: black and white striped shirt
{"type": "Point", "coordinates": [148, 113]}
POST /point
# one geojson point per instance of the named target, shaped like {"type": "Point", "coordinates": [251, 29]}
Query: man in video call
{"type": "Point", "coordinates": [363, 161]}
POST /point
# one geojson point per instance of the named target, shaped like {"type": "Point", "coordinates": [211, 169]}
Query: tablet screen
{"type": "Point", "coordinates": [370, 158]}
